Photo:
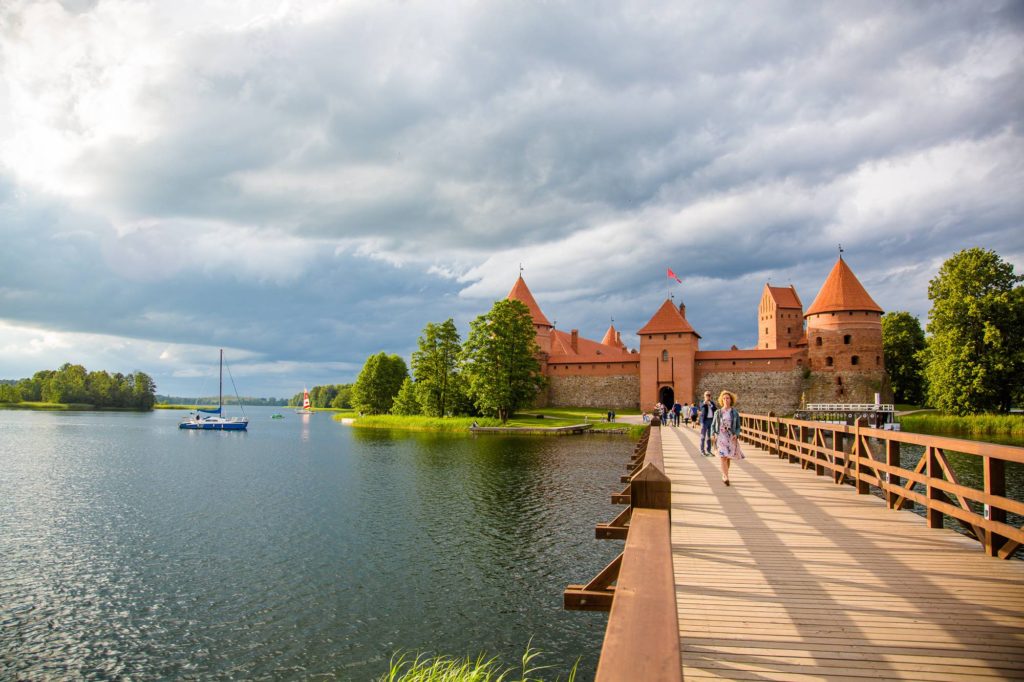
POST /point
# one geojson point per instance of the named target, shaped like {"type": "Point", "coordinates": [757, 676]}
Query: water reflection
{"type": "Point", "coordinates": [300, 548]}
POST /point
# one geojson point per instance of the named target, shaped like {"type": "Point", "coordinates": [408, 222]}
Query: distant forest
{"type": "Point", "coordinates": [331, 395]}
{"type": "Point", "coordinates": [73, 384]}
{"type": "Point", "coordinates": [212, 400]}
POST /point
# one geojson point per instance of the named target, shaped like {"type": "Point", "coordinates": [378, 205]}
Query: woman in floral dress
{"type": "Point", "coordinates": [726, 428]}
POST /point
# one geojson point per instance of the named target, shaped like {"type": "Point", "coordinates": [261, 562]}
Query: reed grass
{"type": "Point", "coordinates": [976, 425]}
{"type": "Point", "coordinates": [450, 669]}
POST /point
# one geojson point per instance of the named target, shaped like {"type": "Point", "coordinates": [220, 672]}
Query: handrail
{"type": "Point", "coordinates": [642, 636]}
{"type": "Point", "coordinates": [866, 457]}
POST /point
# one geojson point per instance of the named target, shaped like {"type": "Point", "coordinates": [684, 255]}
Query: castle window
{"type": "Point", "coordinates": [664, 336]}
{"type": "Point", "coordinates": [855, 360]}
{"type": "Point", "coordinates": [664, 356]}
{"type": "Point", "coordinates": [789, 344]}
{"type": "Point", "coordinates": [766, 330]}
{"type": "Point", "coordinates": [734, 362]}
{"type": "Point", "coordinates": [828, 361]}
{"type": "Point", "coordinates": [846, 339]}
{"type": "Point", "coordinates": [817, 341]}
{"type": "Point", "coordinates": [878, 360]}
{"type": "Point", "coordinates": [789, 330]}
{"type": "Point", "coordinates": [839, 381]}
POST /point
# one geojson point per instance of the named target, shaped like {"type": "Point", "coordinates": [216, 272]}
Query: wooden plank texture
{"type": "Point", "coordinates": [785, 575]}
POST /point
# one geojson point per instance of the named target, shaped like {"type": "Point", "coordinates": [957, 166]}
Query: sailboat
{"type": "Point", "coordinates": [199, 421]}
{"type": "Point", "coordinates": [307, 407]}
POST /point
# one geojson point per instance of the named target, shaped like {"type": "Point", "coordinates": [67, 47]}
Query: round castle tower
{"type": "Point", "coordinates": [844, 342]}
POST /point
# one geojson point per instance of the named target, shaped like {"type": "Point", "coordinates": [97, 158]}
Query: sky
{"type": "Point", "coordinates": [307, 183]}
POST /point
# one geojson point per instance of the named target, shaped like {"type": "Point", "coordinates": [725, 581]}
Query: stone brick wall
{"type": "Point", "coordinates": [594, 391]}
{"type": "Point", "coordinates": [758, 392]}
{"type": "Point", "coordinates": [847, 387]}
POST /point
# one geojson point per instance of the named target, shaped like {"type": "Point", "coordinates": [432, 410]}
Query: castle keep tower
{"type": "Point", "coordinates": [668, 345]}
{"type": "Point", "coordinates": [844, 341]}
{"type": "Point", "coordinates": [780, 318]}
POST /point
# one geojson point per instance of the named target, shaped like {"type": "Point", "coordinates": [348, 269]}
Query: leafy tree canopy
{"type": "Point", "coordinates": [378, 383]}
{"type": "Point", "coordinates": [903, 341]}
{"type": "Point", "coordinates": [975, 355]}
{"type": "Point", "coordinates": [74, 384]}
{"type": "Point", "coordinates": [435, 366]}
{"type": "Point", "coordinates": [500, 359]}
{"type": "Point", "coordinates": [406, 403]}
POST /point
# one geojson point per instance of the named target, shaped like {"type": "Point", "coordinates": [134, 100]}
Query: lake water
{"type": "Point", "coordinates": [302, 548]}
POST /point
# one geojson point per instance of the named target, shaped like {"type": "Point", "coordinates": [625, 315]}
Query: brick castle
{"type": "Point", "coordinates": [831, 353]}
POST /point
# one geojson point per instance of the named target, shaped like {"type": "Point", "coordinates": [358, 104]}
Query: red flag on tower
{"type": "Point", "coordinates": [672, 275]}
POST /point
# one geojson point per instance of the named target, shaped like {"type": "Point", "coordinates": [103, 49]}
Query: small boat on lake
{"type": "Point", "coordinates": [307, 407]}
{"type": "Point", "coordinates": [199, 420]}
{"type": "Point", "coordinates": [277, 416]}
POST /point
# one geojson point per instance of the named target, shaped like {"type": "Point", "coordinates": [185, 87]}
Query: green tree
{"type": "Point", "coordinates": [343, 400]}
{"type": "Point", "coordinates": [975, 357]}
{"type": "Point", "coordinates": [500, 359]}
{"type": "Point", "coordinates": [435, 364]}
{"type": "Point", "coordinates": [378, 383]}
{"type": "Point", "coordinates": [143, 391]}
{"type": "Point", "coordinates": [9, 393]}
{"type": "Point", "coordinates": [406, 403]}
{"type": "Point", "coordinates": [902, 343]}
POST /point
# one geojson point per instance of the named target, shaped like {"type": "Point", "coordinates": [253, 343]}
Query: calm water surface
{"type": "Point", "coordinates": [302, 548]}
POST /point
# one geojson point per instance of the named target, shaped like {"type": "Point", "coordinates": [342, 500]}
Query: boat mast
{"type": "Point", "coordinates": [220, 389]}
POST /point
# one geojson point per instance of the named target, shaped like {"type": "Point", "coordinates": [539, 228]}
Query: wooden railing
{"type": "Point", "coordinates": [865, 457]}
{"type": "Point", "coordinates": [641, 641]}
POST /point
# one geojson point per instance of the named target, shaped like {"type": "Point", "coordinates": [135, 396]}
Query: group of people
{"type": "Point", "coordinates": [719, 425]}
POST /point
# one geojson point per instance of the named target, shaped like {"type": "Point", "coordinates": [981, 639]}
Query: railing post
{"type": "Point", "coordinates": [819, 435]}
{"type": "Point", "coordinates": [933, 470]}
{"type": "Point", "coordinates": [838, 450]}
{"type": "Point", "coordinates": [995, 484]}
{"type": "Point", "coordinates": [892, 458]}
{"type": "Point", "coordinates": [859, 448]}
{"type": "Point", "coordinates": [800, 448]}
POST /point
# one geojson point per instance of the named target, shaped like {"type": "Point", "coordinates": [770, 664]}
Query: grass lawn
{"type": "Point", "coordinates": [552, 418]}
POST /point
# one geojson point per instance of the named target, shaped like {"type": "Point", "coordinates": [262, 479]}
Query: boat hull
{"type": "Point", "coordinates": [213, 425]}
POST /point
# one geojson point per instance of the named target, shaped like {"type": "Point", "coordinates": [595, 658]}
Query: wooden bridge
{"type": "Point", "coordinates": [796, 571]}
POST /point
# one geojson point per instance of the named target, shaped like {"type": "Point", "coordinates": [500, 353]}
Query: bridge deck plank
{"type": "Point", "coordinates": [785, 575]}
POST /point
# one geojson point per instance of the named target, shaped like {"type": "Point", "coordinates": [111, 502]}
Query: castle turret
{"type": "Point", "coordinates": [668, 345]}
{"type": "Point", "coordinates": [520, 292]}
{"type": "Point", "coordinates": [844, 341]}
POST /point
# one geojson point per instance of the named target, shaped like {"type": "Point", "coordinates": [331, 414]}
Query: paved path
{"type": "Point", "coordinates": [787, 576]}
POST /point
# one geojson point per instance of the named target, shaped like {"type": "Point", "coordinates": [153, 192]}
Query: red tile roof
{"type": "Point", "coordinates": [521, 292]}
{"type": "Point", "coordinates": [561, 345]}
{"type": "Point", "coordinates": [842, 291]}
{"type": "Point", "coordinates": [611, 338]}
{"type": "Point", "coordinates": [668, 319]}
{"type": "Point", "coordinates": [785, 297]}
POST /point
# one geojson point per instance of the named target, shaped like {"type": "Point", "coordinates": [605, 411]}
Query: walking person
{"type": "Point", "coordinates": [676, 410]}
{"type": "Point", "coordinates": [726, 427]}
{"type": "Point", "coordinates": [706, 413]}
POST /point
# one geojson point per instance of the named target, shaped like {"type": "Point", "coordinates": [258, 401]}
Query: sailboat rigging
{"type": "Point", "coordinates": [199, 421]}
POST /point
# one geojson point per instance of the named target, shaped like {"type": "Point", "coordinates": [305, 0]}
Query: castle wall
{"type": "Point", "coordinates": [610, 368]}
{"type": "Point", "coordinates": [847, 387]}
{"type": "Point", "coordinates": [607, 391]}
{"type": "Point", "coordinates": [758, 392]}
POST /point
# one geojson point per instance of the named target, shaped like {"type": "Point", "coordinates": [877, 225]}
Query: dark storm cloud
{"type": "Point", "coordinates": [316, 169]}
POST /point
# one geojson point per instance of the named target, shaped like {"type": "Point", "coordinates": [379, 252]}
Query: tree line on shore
{"type": "Point", "coordinates": [228, 400]}
{"type": "Point", "coordinates": [972, 358]}
{"type": "Point", "coordinates": [74, 384]}
{"type": "Point", "coordinates": [493, 372]}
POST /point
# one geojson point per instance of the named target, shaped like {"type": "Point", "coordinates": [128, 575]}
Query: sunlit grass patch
{"type": "Point", "coordinates": [449, 669]}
